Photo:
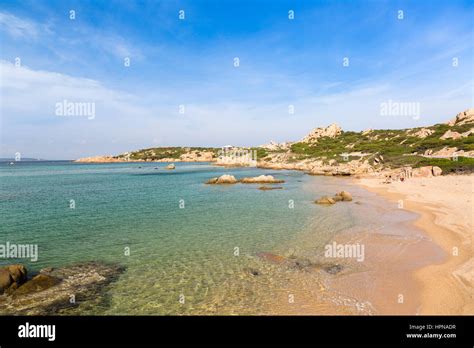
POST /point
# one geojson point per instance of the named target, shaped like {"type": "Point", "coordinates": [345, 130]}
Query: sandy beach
{"type": "Point", "coordinates": [445, 208]}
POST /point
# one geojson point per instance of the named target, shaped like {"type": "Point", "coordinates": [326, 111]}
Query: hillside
{"type": "Point", "coordinates": [332, 150]}
{"type": "Point", "coordinates": [449, 146]}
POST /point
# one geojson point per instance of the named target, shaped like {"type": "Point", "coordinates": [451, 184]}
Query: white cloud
{"type": "Point", "coordinates": [125, 121]}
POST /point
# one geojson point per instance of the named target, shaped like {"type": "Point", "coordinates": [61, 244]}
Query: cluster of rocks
{"type": "Point", "coordinates": [342, 196]}
{"type": "Point", "coordinates": [274, 146]}
{"type": "Point", "coordinates": [53, 290]}
{"type": "Point", "coordinates": [448, 152]}
{"type": "Point", "coordinates": [404, 173]}
{"type": "Point", "coordinates": [230, 179]}
{"type": "Point", "coordinates": [421, 133]}
{"type": "Point", "coordinates": [318, 166]}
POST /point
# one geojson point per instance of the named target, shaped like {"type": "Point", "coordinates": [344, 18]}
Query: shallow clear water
{"type": "Point", "coordinates": [182, 234]}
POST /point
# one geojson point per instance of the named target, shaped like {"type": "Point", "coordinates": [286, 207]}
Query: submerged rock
{"type": "Point", "coordinates": [52, 291]}
{"type": "Point", "coordinates": [252, 271]}
{"type": "Point", "coordinates": [273, 258]}
{"type": "Point", "coordinates": [266, 188]}
{"type": "Point", "coordinates": [38, 283]}
{"type": "Point", "coordinates": [333, 269]}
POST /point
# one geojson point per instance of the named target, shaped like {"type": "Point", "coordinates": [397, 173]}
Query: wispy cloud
{"type": "Point", "coordinates": [190, 62]}
{"type": "Point", "coordinates": [18, 27]}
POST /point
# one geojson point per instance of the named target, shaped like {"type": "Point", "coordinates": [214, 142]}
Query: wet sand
{"type": "Point", "coordinates": [384, 282]}
{"type": "Point", "coordinates": [443, 286]}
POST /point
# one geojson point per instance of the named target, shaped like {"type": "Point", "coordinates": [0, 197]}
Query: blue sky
{"type": "Point", "coordinates": [190, 62]}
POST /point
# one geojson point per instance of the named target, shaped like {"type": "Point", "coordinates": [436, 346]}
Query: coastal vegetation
{"type": "Point", "coordinates": [159, 153]}
{"type": "Point", "coordinates": [448, 146]}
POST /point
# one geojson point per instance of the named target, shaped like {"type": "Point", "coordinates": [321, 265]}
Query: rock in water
{"type": "Point", "coordinates": [49, 292]}
{"type": "Point", "coordinates": [333, 269]}
{"type": "Point", "coordinates": [337, 198]}
{"type": "Point", "coordinates": [344, 196]}
{"type": "Point", "coordinates": [262, 179]}
{"type": "Point", "coordinates": [273, 258]}
{"type": "Point", "coordinates": [38, 283]}
{"type": "Point", "coordinates": [325, 200]}
{"type": "Point", "coordinates": [12, 276]}
{"type": "Point", "coordinates": [267, 188]}
{"type": "Point", "coordinates": [223, 179]}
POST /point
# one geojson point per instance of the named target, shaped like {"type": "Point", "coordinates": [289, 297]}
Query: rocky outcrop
{"type": "Point", "coordinates": [11, 277]}
{"type": "Point", "coordinates": [223, 179]}
{"type": "Point", "coordinates": [367, 131]}
{"type": "Point", "coordinates": [456, 135]}
{"type": "Point", "coordinates": [448, 152]}
{"type": "Point", "coordinates": [38, 283]}
{"type": "Point", "coordinates": [261, 179]}
{"type": "Point", "coordinates": [451, 135]}
{"type": "Point", "coordinates": [331, 131]}
{"type": "Point", "coordinates": [422, 133]}
{"type": "Point", "coordinates": [405, 173]}
{"type": "Point", "coordinates": [427, 171]}
{"type": "Point", "coordinates": [462, 118]}
{"type": "Point", "coordinates": [274, 146]}
{"type": "Point", "coordinates": [55, 291]}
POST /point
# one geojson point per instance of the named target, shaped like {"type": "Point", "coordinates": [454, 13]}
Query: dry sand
{"type": "Point", "coordinates": [445, 205]}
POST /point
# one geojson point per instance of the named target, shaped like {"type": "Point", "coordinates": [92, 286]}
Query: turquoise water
{"type": "Point", "coordinates": [182, 235]}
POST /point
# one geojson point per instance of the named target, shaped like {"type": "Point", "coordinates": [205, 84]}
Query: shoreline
{"type": "Point", "coordinates": [445, 287]}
